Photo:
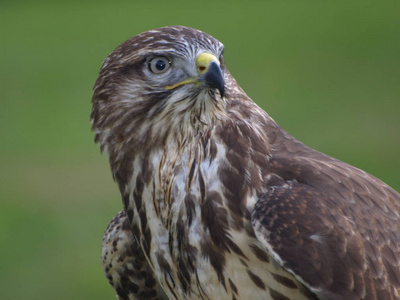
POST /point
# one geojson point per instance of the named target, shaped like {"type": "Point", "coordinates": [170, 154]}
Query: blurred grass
{"type": "Point", "coordinates": [328, 72]}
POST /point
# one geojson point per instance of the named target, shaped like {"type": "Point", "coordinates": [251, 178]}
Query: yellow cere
{"type": "Point", "coordinates": [202, 63]}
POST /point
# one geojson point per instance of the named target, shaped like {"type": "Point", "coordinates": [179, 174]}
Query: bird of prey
{"type": "Point", "coordinates": [219, 201]}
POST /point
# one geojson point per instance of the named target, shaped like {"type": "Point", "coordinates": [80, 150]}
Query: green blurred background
{"type": "Point", "coordinates": [327, 71]}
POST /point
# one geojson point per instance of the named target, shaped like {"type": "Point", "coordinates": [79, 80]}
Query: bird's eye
{"type": "Point", "coordinates": [159, 64]}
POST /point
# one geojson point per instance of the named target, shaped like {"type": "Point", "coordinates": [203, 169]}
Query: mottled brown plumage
{"type": "Point", "coordinates": [219, 201]}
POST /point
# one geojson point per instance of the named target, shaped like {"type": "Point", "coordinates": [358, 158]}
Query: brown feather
{"type": "Point", "coordinates": [219, 201]}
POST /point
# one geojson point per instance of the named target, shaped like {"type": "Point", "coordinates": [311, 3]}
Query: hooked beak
{"type": "Point", "coordinates": [213, 78]}
{"type": "Point", "coordinates": [210, 74]}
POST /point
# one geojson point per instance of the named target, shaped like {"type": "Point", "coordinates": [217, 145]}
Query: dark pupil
{"type": "Point", "coordinates": [160, 65]}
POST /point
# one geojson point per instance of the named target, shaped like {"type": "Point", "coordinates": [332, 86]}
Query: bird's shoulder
{"type": "Point", "coordinates": [335, 227]}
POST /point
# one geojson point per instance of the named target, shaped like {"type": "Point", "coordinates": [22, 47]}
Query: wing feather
{"type": "Point", "coordinates": [335, 227]}
{"type": "Point", "coordinates": [125, 265]}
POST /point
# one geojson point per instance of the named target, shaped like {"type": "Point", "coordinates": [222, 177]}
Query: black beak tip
{"type": "Point", "coordinates": [221, 90]}
{"type": "Point", "coordinates": [214, 78]}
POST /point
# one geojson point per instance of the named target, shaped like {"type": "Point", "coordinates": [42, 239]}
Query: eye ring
{"type": "Point", "coordinates": [159, 64]}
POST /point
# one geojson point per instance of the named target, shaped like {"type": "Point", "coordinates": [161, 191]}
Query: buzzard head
{"type": "Point", "coordinates": [164, 81]}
